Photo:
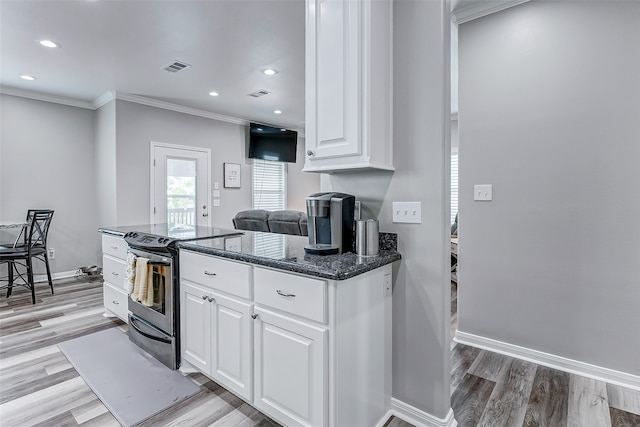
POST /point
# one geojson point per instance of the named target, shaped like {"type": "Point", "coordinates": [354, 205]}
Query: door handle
{"type": "Point", "coordinates": [205, 214]}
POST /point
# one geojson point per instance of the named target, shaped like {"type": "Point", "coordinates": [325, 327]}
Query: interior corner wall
{"type": "Point", "coordinates": [48, 163]}
{"type": "Point", "coordinates": [549, 114]}
{"type": "Point", "coordinates": [300, 184]}
{"type": "Point", "coordinates": [421, 152]}
{"type": "Point", "coordinates": [105, 163]}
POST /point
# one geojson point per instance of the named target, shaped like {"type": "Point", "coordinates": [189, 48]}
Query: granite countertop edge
{"type": "Point", "coordinates": [326, 272]}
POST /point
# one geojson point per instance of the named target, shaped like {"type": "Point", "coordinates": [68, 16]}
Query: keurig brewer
{"type": "Point", "coordinates": [330, 222]}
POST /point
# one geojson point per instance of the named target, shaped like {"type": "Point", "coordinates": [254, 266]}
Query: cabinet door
{"type": "Point", "coordinates": [290, 365]}
{"type": "Point", "coordinates": [195, 329]}
{"type": "Point", "coordinates": [232, 344]}
{"type": "Point", "coordinates": [333, 83]}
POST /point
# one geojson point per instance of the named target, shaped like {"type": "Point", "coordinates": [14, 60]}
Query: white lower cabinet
{"type": "Point", "coordinates": [216, 336]}
{"type": "Point", "coordinates": [114, 255]}
{"type": "Point", "coordinates": [304, 351]}
{"type": "Point", "coordinates": [290, 366]}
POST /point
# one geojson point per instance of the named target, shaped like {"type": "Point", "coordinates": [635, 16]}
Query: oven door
{"type": "Point", "coordinates": [156, 304]}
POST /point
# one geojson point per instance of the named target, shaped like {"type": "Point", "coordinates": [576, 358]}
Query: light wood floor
{"type": "Point", "coordinates": [38, 387]}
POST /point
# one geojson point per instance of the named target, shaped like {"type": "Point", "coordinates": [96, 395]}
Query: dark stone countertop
{"type": "Point", "coordinates": [256, 248]}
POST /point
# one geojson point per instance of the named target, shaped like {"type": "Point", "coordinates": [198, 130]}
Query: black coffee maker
{"type": "Point", "coordinates": [330, 222]}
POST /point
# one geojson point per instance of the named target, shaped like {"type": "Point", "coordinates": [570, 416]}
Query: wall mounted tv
{"type": "Point", "coordinates": [272, 143]}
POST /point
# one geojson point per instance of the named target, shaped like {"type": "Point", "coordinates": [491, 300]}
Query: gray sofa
{"type": "Point", "coordinates": [282, 222]}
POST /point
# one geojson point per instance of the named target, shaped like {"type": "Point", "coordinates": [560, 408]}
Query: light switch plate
{"type": "Point", "coordinates": [483, 192]}
{"type": "Point", "coordinates": [216, 202]}
{"type": "Point", "coordinates": [408, 212]}
{"type": "Point", "coordinates": [216, 193]}
{"type": "Point", "coordinates": [216, 185]}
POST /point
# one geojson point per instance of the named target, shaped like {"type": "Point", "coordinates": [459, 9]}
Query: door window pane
{"type": "Point", "coordinates": [181, 193]}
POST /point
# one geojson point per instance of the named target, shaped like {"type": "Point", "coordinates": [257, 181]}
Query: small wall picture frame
{"type": "Point", "coordinates": [231, 175]}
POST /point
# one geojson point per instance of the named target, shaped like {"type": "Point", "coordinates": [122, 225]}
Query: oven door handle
{"type": "Point", "coordinates": [141, 332]}
{"type": "Point", "coordinates": [164, 263]}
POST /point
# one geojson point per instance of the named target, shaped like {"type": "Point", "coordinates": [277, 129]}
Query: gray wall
{"type": "Point", "coordinates": [138, 124]}
{"type": "Point", "coordinates": [549, 114]}
{"type": "Point", "coordinates": [105, 162]}
{"type": "Point", "coordinates": [47, 161]}
{"type": "Point", "coordinates": [421, 294]}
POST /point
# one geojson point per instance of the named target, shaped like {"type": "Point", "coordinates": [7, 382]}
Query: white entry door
{"type": "Point", "coordinates": [180, 189]}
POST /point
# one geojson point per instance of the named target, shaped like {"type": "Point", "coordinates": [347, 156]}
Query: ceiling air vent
{"type": "Point", "coordinates": [259, 93]}
{"type": "Point", "coordinates": [176, 66]}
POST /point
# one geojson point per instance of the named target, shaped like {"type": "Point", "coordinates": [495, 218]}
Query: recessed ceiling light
{"type": "Point", "coordinates": [49, 43]}
{"type": "Point", "coordinates": [269, 72]}
{"type": "Point", "coordinates": [277, 112]}
{"type": "Point", "coordinates": [27, 77]}
{"type": "Point", "coordinates": [214, 93]}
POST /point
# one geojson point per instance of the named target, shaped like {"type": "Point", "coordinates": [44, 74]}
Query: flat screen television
{"type": "Point", "coordinates": [272, 143]}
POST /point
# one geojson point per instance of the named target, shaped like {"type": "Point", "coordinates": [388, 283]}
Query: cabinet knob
{"type": "Point", "coordinates": [284, 294]}
{"type": "Point", "coordinates": [211, 299]}
{"type": "Point", "coordinates": [204, 297]}
{"type": "Point", "coordinates": [208, 273]}
{"type": "Point", "coordinates": [254, 316]}
{"type": "Point", "coordinates": [310, 153]}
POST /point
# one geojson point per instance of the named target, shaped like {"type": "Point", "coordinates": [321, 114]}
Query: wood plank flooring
{"type": "Point", "coordinates": [38, 386]}
{"type": "Point", "coordinates": [490, 389]}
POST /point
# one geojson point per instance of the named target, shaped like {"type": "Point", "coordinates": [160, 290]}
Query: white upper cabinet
{"type": "Point", "coordinates": [348, 121]}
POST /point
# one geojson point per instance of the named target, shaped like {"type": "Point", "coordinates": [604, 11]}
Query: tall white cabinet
{"type": "Point", "coordinates": [305, 351]}
{"type": "Point", "coordinates": [349, 101]}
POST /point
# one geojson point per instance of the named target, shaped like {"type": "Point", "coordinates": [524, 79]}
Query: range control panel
{"type": "Point", "coordinates": [147, 241]}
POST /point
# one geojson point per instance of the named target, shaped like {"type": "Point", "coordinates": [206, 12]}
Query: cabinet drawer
{"type": "Point", "coordinates": [113, 271]}
{"type": "Point", "coordinates": [114, 246]}
{"type": "Point", "coordinates": [115, 300]}
{"type": "Point", "coordinates": [216, 273]}
{"type": "Point", "coordinates": [297, 295]}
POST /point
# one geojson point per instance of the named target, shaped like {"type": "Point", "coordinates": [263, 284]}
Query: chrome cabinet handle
{"type": "Point", "coordinates": [115, 302]}
{"type": "Point", "coordinates": [114, 248]}
{"type": "Point", "coordinates": [114, 273]}
{"type": "Point", "coordinates": [284, 294]}
{"type": "Point", "coordinates": [254, 316]}
{"type": "Point", "coordinates": [211, 299]}
{"type": "Point", "coordinates": [208, 273]}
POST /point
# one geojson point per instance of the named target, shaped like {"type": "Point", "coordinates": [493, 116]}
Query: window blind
{"type": "Point", "coordinates": [454, 187]}
{"type": "Point", "coordinates": [269, 193]}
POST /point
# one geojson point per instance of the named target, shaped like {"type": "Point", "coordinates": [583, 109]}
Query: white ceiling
{"type": "Point", "coordinates": [123, 46]}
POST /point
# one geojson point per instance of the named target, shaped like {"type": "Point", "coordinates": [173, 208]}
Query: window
{"type": "Point", "coordinates": [454, 186]}
{"type": "Point", "coordinates": [269, 193]}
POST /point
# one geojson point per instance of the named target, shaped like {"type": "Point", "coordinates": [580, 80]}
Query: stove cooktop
{"type": "Point", "coordinates": [162, 237]}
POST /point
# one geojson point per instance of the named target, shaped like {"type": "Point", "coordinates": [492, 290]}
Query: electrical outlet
{"type": "Point", "coordinates": [52, 253]}
{"type": "Point", "coordinates": [409, 212]}
{"type": "Point", "coordinates": [483, 192]}
{"type": "Point", "coordinates": [387, 285]}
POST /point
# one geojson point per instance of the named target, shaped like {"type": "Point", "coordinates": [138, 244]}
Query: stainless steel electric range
{"type": "Point", "coordinates": [154, 317]}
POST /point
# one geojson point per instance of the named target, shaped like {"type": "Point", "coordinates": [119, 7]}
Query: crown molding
{"type": "Point", "coordinates": [178, 108]}
{"type": "Point", "coordinates": [23, 93]}
{"type": "Point", "coordinates": [111, 95]}
{"type": "Point", "coordinates": [482, 8]}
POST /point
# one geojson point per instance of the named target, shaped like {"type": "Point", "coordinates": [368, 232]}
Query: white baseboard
{"type": "Point", "coordinates": [39, 278]}
{"type": "Point", "coordinates": [551, 360]}
{"type": "Point", "coordinates": [418, 417]}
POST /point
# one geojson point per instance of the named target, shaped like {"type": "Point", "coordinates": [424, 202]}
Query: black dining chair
{"type": "Point", "coordinates": [31, 244]}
